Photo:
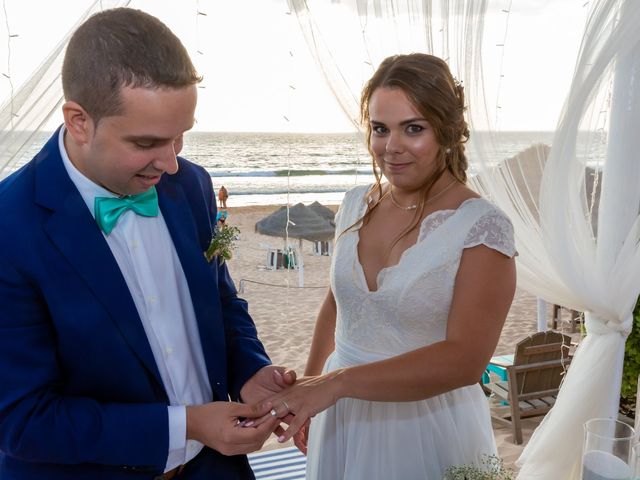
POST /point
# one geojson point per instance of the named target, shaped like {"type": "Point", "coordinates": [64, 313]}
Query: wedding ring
{"type": "Point", "coordinates": [286, 406]}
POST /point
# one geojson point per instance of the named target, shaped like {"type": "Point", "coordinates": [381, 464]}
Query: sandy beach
{"type": "Point", "coordinates": [285, 314]}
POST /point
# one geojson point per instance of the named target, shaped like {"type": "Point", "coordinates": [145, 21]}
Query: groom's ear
{"type": "Point", "coordinates": [78, 122]}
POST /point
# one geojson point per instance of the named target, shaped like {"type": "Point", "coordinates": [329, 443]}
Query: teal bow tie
{"type": "Point", "coordinates": [109, 209]}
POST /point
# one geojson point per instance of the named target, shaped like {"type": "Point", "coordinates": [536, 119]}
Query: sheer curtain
{"type": "Point", "coordinates": [574, 203]}
{"type": "Point", "coordinates": [594, 246]}
{"type": "Point", "coordinates": [33, 103]}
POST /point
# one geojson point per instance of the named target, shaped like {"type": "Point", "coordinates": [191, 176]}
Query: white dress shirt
{"type": "Point", "coordinates": [147, 258]}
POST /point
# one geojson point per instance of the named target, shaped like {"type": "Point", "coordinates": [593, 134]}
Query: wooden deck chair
{"type": "Point", "coordinates": [533, 381]}
{"type": "Point", "coordinates": [575, 318]}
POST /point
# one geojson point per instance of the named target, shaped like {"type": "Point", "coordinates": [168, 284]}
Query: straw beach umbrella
{"type": "Point", "coordinates": [299, 222]}
{"type": "Point", "coordinates": [303, 223]}
{"type": "Point", "coordinates": [324, 212]}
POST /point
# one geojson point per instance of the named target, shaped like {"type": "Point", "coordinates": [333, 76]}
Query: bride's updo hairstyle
{"type": "Point", "coordinates": [427, 82]}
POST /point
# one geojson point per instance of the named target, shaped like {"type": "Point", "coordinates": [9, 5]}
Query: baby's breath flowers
{"type": "Point", "coordinates": [492, 469]}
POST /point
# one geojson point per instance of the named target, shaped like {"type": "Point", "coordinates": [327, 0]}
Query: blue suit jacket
{"type": "Point", "coordinates": [80, 393]}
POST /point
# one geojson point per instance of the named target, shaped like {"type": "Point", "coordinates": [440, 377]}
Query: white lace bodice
{"type": "Point", "coordinates": [411, 305]}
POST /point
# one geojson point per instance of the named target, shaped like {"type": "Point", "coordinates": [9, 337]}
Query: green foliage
{"type": "Point", "coordinates": [492, 469]}
{"type": "Point", "coordinates": [631, 368]}
{"type": "Point", "coordinates": [222, 243]}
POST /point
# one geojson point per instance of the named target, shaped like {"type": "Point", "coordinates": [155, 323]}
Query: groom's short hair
{"type": "Point", "coordinates": [122, 47]}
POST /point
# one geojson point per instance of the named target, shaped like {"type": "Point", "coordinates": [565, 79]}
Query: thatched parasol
{"type": "Point", "coordinates": [304, 223]}
{"type": "Point", "coordinates": [301, 222]}
{"type": "Point", "coordinates": [324, 212]}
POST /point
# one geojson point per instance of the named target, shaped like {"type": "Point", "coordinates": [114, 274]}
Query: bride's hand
{"type": "Point", "coordinates": [301, 438]}
{"type": "Point", "coordinates": [308, 397]}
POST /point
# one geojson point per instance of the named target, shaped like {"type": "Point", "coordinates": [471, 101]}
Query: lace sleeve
{"type": "Point", "coordinates": [495, 230]}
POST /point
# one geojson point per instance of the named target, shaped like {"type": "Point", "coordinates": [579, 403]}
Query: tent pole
{"type": "Point", "coordinates": [300, 265]}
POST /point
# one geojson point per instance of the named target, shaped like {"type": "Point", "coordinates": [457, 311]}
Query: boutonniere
{"type": "Point", "coordinates": [222, 243]}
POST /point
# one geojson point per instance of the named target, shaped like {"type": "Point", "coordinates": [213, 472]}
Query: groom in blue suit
{"type": "Point", "coordinates": [124, 354]}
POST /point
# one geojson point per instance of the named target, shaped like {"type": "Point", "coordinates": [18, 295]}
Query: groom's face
{"type": "Point", "coordinates": [128, 153]}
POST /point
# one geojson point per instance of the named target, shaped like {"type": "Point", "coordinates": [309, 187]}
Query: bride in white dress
{"type": "Point", "coordinates": [422, 279]}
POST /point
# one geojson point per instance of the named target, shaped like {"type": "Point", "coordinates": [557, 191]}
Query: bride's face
{"type": "Point", "coordinates": [402, 141]}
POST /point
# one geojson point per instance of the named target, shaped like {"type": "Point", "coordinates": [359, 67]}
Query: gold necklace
{"type": "Point", "coordinates": [415, 205]}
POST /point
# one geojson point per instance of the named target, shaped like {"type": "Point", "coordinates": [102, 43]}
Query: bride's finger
{"type": "Point", "coordinates": [279, 431]}
{"type": "Point", "coordinates": [300, 438]}
{"type": "Point", "coordinates": [256, 422]}
{"type": "Point", "coordinates": [288, 419]}
{"type": "Point", "coordinates": [279, 410]}
{"type": "Point", "coordinates": [297, 423]}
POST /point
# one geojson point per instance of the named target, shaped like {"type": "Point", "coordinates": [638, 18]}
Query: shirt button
{"type": "Point", "coordinates": [134, 245]}
{"type": "Point", "coordinates": [152, 299]}
{"type": "Point", "coordinates": [168, 350]}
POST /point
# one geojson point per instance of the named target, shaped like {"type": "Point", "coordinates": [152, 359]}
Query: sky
{"type": "Point", "coordinates": [259, 74]}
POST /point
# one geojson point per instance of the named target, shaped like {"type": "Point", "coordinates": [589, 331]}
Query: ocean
{"type": "Point", "coordinates": [281, 168]}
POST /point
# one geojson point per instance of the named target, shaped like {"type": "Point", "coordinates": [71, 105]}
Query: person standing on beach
{"type": "Point", "coordinates": [422, 279]}
{"type": "Point", "coordinates": [120, 346]}
{"type": "Point", "coordinates": [222, 196]}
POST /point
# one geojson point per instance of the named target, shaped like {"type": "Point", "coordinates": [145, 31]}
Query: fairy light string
{"type": "Point", "coordinates": [199, 16]}
{"type": "Point", "coordinates": [7, 75]}
{"type": "Point", "coordinates": [507, 12]}
{"type": "Point", "coordinates": [290, 92]}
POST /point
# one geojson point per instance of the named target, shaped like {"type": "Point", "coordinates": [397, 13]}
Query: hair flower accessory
{"type": "Point", "coordinates": [222, 243]}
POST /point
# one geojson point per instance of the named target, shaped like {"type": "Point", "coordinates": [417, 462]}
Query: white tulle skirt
{"type": "Point", "coordinates": [362, 440]}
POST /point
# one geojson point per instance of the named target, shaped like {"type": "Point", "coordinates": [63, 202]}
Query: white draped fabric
{"type": "Point", "coordinates": [601, 269]}
{"type": "Point", "coordinates": [575, 205]}
{"type": "Point", "coordinates": [25, 113]}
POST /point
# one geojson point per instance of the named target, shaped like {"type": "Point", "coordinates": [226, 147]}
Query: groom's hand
{"type": "Point", "coordinates": [266, 382]}
{"type": "Point", "coordinates": [219, 426]}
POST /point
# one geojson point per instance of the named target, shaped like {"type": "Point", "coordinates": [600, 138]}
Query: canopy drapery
{"type": "Point", "coordinates": [23, 115]}
{"type": "Point", "coordinates": [574, 203]}
{"type": "Point", "coordinates": [572, 195]}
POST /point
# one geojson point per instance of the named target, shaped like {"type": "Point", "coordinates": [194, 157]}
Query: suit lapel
{"type": "Point", "coordinates": [200, 279]}
{"type": "Point", "coordinates": [75, 233]}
